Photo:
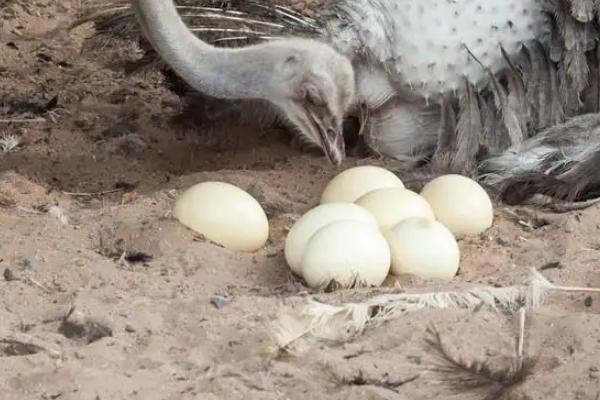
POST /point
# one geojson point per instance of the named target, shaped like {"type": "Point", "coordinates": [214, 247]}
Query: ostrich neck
{"type": "Point", "coordinates": [232, 74]}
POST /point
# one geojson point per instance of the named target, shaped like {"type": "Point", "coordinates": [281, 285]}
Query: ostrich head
{"type": "Point", "coordinates": [313, 86]}
{"type": "Point", "coordinates": [311, 83]}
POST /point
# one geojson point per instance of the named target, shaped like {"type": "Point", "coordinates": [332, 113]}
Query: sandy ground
{"type": "Point", "coordinates": [77, 321]}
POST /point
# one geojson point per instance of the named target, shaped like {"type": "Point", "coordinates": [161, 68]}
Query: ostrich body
{"type": "Point", "coordinates": [410, 55]}
{"type": "Point", "coordinates": [441, 80]}
{"type": "Point", "coordinates": [430, 47]}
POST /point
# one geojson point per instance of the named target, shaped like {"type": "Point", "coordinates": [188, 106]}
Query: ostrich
{"type": "Point", "coordinates": [489, 87]}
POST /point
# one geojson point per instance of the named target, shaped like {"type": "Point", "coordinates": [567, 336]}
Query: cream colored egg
{"type": "Point", "coordinates": [459, 203]}
{"type": "Point", "coordinates": [352, 183]}
{"type": "Point", "coordinates": [390, 206]}
{"type": "Point", "coordinates": [424, 248]}
{"type": "Point", "coordinates": [224, 214]}
{"type": "Point", "coordinates": [315, 219]}
{"type": "Point", "coordinates": [348, 252]}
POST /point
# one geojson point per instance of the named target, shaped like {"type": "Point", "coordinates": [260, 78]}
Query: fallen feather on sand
{"type": "Point", "coordinates": [318, 321]}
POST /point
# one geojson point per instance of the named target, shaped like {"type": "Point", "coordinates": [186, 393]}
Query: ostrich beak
{"type": "Point", "coordinates": [333, 146]}
{"type": "Point", "coordinates": [322, 132]}
{"type": "Point", "coordinates": [331, 139]}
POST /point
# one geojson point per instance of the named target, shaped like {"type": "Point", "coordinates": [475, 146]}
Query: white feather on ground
{"type": "Point", "coordinates": [321, 322]}
{"type": "Point", "coordinates": [9, 143]}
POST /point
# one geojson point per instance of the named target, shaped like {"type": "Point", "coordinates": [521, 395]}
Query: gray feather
{"type": "Point", "coordinates": [583, 10]}
{"type": "Point", "coordinates": [226, 23]}
{"type": "Point", "coordinates": [447, 141]}
{"type": "Point", "coordinates": [505, 106]}
{"type": "Point", "coordinates": [489, 118]}
{"type": "Point", "coordinates": [579, 38]}
{"type": "Point", "coordinates": [577, 70]}
{"type": "Point", "coordinates": [542, 87]}
{"type": "Point", "coordinates": [516, 102]}
{"type": "Point", "coordinates": [556, 43]}
{"type": "Point", "coordinates": [591, 95]}
{"type": "Point", "coordinates": [570, 99]}
{"type": "Point", "coordinates": [560, 161]}
{"type": "Point", "coordinates": [557, 112]}
{"type": "Point", "coordinates": [468, 132]}
{"type": "Point", "coordinates": [495, 136]}
{"type": "Point", "coordinates": [576, 35]}
{"type": "Point", "coordinates": [539, 85]}
{"type": "Point", "coordinates": [509, 113]}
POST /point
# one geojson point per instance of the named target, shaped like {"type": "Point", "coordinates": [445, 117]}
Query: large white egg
{"type": "Point", "coordinates": [315, 219]}
{"type": "Point", "coordinates": [390, 206]}
{"type": "Point", "coordinates": [352, 183]}
{"type": "Point", "coordinates": [224, 214]}
{"type": "Point", "coordinates": [348, 252]}
{"type": "Point", "coordinates": [424, 248]}
{"type": "Point", "coordinates": [459, 203]}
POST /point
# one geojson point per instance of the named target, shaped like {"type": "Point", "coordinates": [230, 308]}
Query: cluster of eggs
{"type": "Point", "coordinates": [369, 225]}
{"type": "Point", "coordinates": [366, 226]}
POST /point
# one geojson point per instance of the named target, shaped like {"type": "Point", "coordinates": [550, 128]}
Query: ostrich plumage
{"type": "Point", "coordinates": [506, 90]}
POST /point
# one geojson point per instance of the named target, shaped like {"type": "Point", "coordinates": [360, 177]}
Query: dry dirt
{"type": "Point", "coordinates": [77, 321]}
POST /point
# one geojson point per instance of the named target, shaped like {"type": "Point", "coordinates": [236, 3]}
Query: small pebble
{"type": "Point", "coordinates": [9, 275]}
{"type": "Point", "coordinates": [59, 214]}
{"type": "Point", "coordinates": [129, 328]}
{"type": "Point", "coordinates": [502, 242]}
{"type": "Point", "coordinates": [29, 264]}
{"type": "Point", "coordinates": [218, 301]}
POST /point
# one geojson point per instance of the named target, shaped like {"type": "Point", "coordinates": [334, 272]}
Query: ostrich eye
{"type": "Point", "coordinates": [313, 96]}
